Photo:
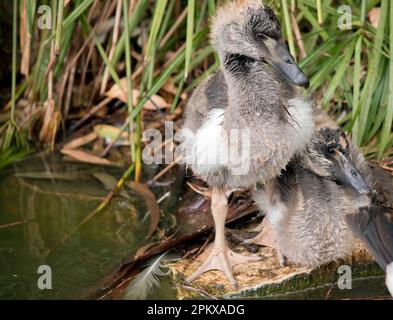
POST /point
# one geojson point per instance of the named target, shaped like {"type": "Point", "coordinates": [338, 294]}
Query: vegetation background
{"type": "Point", "coordinates": [133, 63]}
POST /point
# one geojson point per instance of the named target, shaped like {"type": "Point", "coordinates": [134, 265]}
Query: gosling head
{"type": "Point", "coordinates": [247, 36]}
{"type": "Point", "coordinates": [328, 155]}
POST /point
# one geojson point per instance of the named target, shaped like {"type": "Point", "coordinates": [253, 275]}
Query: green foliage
{"type": "Point", "coordinates": [351, 67]}
{"type": "Point", "coordinates": [351, 70]}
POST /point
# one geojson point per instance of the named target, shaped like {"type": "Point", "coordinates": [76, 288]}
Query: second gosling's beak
{"type": "Point", "coordinates": [348, 175]}
{"type": "Point", "coordinates": [283, 62]}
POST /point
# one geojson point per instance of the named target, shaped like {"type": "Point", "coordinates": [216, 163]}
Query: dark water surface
{"type": "Point", "coordinates": [44, 199]}
{"type": "Point", "coordinates": [49, 198]}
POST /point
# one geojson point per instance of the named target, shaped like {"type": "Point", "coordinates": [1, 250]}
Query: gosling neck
{"type": "Point", "coordinates": [257, 95]}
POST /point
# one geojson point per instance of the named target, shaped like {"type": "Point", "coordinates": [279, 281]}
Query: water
{"type": "Point", "coordinates": [47, 210]}
{"type": "Point", "coordinates": [42, 200]}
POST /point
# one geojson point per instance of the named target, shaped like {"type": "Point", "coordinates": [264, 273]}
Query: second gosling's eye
{"type": "Point", "coordinates": [331, 150]}
{"type": "Point", "coordinates": [261, 36]}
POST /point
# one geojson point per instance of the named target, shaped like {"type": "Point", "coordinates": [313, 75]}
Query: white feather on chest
{"type": "Point", "coordinates": [302, 122]}
{"type": "Point", "coordinates": [260, 152]}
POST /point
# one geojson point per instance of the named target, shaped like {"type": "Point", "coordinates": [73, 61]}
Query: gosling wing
{"type": "Point", "coordinates": [374, 227]}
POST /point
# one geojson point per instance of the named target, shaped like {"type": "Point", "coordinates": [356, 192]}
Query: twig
{"type": "Point", "coordinates": [16, 223]}
{"type": "Point", "coordinates": [92, 111]}
{"type": "Point", "coordinates": [86, 65]}
{"type": "Point", "coordinates": [110, 145]}
{"type": "Point", "coordinates": [386, 167]}
{"type": "Point", "coordinates": [25, 40]}
{"type": "Point", "coordinates": [166, 195]}
{"type": "Point", "coordinates": [173, 29]}
{"type": "Point", "coordinates": [62, 87]}
{"type": "Point", "coordinates": [167, 168]}
{"type": "Point", "coordinates": [329, 291]}
{"type": "Point", "coordinates": [127, 52]}
{"type": "Point", "coordinates": [115, 37]}
{"type": "Point", "coordinates": [200, 291]}
{"type": "Point", "coordinates": [298, 36]}
{"type": "Point", "coordinates": [196, 190]}
{"type": "Point", "coordinates": [53, 56]}
{"type": "Point", "coordinates": [203, 247]}
{"type": "Point", "coordinates": [68, 97]}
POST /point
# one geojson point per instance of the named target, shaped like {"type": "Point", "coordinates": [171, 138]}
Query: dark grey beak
{"type": "Point", "coordinates": [351, 177]}
{"type": "Point", "coordinates": [284, 64]}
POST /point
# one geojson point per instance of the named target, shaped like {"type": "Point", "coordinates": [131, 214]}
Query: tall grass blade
{"type": "Point", "coordinates": [14, 49]}
{"type": "Point", "coordinates": [155, 27]}
{"type": "Point", "coordinates": [356, 87]}
{"type": "Point", "coordinates": [190, 34]}
{"type": "Point", "coordinates": [59, 24]}
{"type": "Point", "coordinates": [129, 76]}
{"type": "Point", "coordinates": [387, 125]}
{"type": "Point", "coordinates": [288, 28]}
{"type": "Point", "coordinates": [372, 73]}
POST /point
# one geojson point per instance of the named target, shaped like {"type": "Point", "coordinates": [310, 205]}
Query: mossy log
{"type": "Point", "coordinates": [267, 280]}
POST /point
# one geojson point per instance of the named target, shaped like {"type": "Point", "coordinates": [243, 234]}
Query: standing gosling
{"type": "Point", "coordinates": [245, 123]}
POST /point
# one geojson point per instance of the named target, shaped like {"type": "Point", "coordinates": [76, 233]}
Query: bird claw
{"type": "Point", "coordinates": [282, 260]}
{"type": "Point", "coordinates": [265, 237]}
{"type": "Point", "coordinates": [262, 239]}
{"type": "Point", "coordinates": [223, 260]}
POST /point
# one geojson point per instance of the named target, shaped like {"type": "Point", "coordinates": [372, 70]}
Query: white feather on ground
{"type": "Point", "coordinates": [147, 280]}
{"type": "Point", "coordinates": [389, 278]}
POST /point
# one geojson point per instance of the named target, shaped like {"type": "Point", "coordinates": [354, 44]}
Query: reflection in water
{"type": "Point", "coordinates": [42, 200]}
{"type": "Point", "coordinates": [53, 197]}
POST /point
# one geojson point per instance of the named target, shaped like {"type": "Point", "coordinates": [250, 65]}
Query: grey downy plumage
{"type": "Point", "coordinates": [373, 224]}
{"type": "Point", "coordinates": [255, 93]}
{"type": "Point", "coordinates": [311, 199]}
{"type": "Point", "coordinates": [255, 90]}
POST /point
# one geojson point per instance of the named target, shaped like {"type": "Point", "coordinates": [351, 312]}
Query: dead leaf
{"type": "Point", "coordinates": [78, 142]}
{"type": "Point", "coordinates": [116, 92]}
{"type": "Point", "coordinates": [98, 146]}
{"type": "Point", "coordinates": [84, 156]}
{"type": "Point", "coordinates": [171, 88]}
{"type": "Point", "coordinates": [151, 203]}
{"type": "Point", "coordinates": [109, 132]}
{"type": "Point", "coordinates": [50, 123]}
{"type": "Point", "coordinates": [373, 16]}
